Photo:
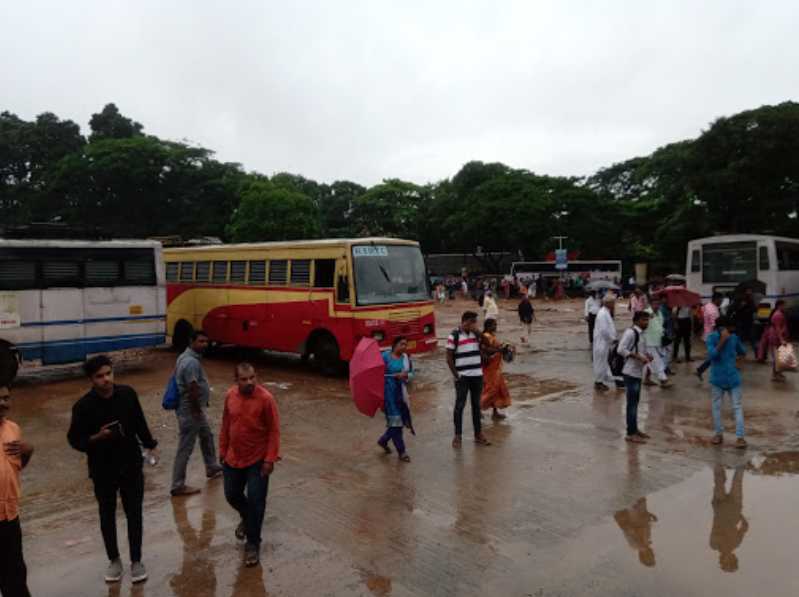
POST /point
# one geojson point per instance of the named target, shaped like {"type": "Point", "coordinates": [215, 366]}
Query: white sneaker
{"type": "Point", "coordinates": [114, 572]}
{"type": "Point", "coordinates": [138, 573]}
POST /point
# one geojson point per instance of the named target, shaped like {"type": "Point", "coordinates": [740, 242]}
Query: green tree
{"type": "Point", "coordinates": [270, 213]}
{"type": "Point", "coordinates": [336, 209]}
{"type": "Point", "coordinates": [143, 186]}
{"type": "Point", "coordinates": [110, 124]}
{"type": "Point", "coordinates": [28, 152]}
{"type": "Point", "coordinates": [389, 209]}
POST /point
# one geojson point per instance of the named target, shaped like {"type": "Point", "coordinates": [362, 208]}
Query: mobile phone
{"type": "Point", "coordinates": [116, 427]}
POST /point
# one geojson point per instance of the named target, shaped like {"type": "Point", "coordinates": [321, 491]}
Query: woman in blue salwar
{"type": "Point", "coordinates": [399, 371]}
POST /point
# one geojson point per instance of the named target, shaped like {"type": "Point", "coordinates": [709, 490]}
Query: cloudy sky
{"type": "Point", "coordinates": [374, 89]}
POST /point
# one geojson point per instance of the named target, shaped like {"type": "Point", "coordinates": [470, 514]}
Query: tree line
{"type": "Point", "coordinates": [741, 174]}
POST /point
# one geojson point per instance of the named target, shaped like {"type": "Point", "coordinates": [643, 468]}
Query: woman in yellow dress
{"type": "Point", "coordinates": [495, 390]}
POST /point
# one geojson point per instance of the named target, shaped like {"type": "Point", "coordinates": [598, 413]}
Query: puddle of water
{"type": "Point", "coordinates": [725, 531]}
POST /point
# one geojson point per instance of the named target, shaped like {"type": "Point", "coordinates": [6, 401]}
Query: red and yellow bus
{"type": "Point", "coordinates": [315, 298]}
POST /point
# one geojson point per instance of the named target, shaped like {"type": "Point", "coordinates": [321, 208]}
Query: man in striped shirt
{"type": "Point", "coordinates": [463, 358]}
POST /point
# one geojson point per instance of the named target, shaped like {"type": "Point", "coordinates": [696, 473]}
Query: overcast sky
{"type": "Point", "coordinates": [375, 89]}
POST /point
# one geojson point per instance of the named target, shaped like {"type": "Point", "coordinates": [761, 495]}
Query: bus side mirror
{"type": "Point", "coordinates": [343, 290]}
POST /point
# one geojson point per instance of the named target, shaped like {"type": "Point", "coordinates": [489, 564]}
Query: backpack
{"type": "Point", "coordinates": [171, 394]}
{"type": "Point", "coordinates": [617, 361]}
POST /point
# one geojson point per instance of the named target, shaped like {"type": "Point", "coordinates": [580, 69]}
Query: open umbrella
{"type": "Point", "coordinates": [678, 296]}
{"type": "Point", "coordinates": [367, 371]}
{"type": "Point", "coordinates": [601, 285]}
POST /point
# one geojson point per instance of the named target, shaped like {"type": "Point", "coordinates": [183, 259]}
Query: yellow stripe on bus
{"type": "Point", "coordinates": [213, 298]}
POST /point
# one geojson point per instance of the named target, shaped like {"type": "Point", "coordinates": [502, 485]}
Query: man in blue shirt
{"type": "Point", "coordinates": [723, 349]}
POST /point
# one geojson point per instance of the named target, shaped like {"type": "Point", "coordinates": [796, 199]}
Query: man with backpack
{"type": "Point", "coordinates": [635, 359]}
{"type": "Point", "coordinates": [466, 364]}
{"type": "Point", "coordinates": [194, 393]}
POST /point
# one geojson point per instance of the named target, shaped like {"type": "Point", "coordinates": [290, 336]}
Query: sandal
{"type": "Point", "coordinates": [481, 440]}
{"type": "Point", "coordinates": [635, 439]}
{"type": "Point", "coordinates": [456, 443]}
{"type": "Point", "coordinates": [404, 458]}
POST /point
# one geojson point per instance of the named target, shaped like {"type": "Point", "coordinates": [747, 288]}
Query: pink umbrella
{"type": "Point", "coordinates": [367, 377]}
{"type": "Point", "coordinates": [679, 296]}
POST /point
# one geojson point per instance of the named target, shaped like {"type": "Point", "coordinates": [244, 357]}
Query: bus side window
{"type": "Point", "coordinates": [172, 271]}
{"type": "Point", "coordinates": [696, 265]}
{"type": "Point", "coordinates": [343, 293]}
{"type": "Point", "coordinates": [17, 274]}
{"type": "Point", "coordinates": [763, 259]}
{"type": "Point", "coordinates": [324, 273]}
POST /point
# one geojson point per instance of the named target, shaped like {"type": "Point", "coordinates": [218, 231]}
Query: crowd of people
{"type": "Point", "coordinates": [644, 353]}
{"type": "Point", "coordinates": [109, 426]}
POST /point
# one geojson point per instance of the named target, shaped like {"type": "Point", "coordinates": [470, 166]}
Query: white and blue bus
{"type": "Point", "coordinates": [61, 300]}
{"type": "Point", "coordinates": [722, 263]}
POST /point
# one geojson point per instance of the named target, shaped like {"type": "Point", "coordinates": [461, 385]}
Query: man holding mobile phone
{"type": "Point", "coordinates": [108, 424]}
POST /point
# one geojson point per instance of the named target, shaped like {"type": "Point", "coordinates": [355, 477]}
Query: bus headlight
{"type": "Point", "coordinates": [428, 329]}
{"type": "Point", "coordinates": [378, 335]}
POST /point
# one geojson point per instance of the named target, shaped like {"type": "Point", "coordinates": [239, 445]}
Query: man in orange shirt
{"type": "Point", "coordinates": [14, 456]}
{"type": "Point", "coordinates": [249, 446]}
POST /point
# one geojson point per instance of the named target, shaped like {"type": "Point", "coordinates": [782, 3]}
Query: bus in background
{"type": "Point", "coordinates": [313, 298]}
{"type": "Point", "coordinates": [609, 270]}
{"type": "Point", "coordinates": [61, 300]}
{"type": "Point", "coordinates": [770, 264]}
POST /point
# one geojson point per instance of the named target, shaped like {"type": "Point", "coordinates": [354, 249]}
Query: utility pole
{"type": "Point", "coordinates": [560, 241]}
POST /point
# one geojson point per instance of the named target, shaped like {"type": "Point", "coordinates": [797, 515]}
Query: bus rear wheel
{"type": "Point", "coordinates": [9, 363]}
{"type": "Point", "coordinates": [182, 335]}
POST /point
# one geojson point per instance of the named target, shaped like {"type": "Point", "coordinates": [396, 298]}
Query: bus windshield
{"type": "Point", "coordinates": [729, 262]}
{"type": "Point", "coordinates": [387, 274]}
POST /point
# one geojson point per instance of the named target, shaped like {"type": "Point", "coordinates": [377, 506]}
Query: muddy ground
{"type": "Point", "coordinates": [559, 505]}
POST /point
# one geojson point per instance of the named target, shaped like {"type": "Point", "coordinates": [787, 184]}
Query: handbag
{"type": "Point", "coordinates": [786, 358]}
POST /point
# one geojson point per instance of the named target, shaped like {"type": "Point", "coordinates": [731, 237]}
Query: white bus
{"type": "Point", "coordinates": [61, 300]}
{"type": "Point", "coordinates": [598, 270]}
{"type": "Point", "coordinates": [721, 263]}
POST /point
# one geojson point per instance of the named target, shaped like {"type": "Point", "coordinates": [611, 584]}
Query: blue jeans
{"type": "Point", "coordinates": [252, 507]}
{"type": "Point", "coordinates": [633, 386]}
{"type": "Point", "coordinates": [717, 394]}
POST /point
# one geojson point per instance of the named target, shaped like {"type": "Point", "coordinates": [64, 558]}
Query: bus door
{"type": "Point", "coordinates": [323, 294]}
{"type": "Point", "coordinates": [63, 333]}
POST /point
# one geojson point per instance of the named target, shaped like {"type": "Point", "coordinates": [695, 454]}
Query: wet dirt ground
{"type": "Point", "coordinates": [560, 504]}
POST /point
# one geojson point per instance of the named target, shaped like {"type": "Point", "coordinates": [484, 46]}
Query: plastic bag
{"type": "Point", "coordinates": [786, 358]}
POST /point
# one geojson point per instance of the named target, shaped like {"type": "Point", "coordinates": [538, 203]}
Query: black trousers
{"type": "Point", "coordinates": [473, 388]}
{"type": "Point", "coordinates": [591, 324]}
{"type": "Point", "coordinates": [684, 336]}
{"type": "Point", "coordinates": [129, 484]}
{"type": "Point", "coordinates": [13, 573]}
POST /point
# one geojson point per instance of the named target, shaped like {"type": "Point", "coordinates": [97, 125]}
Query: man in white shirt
{"type": "Point", "coordinates": [490, 309]}
{"type": "Point", "coordinates": [592, 307]}
{"type": "Point", "coordinates": [604, 337]}
{"type": "Point", "coordinates": [631, 348]}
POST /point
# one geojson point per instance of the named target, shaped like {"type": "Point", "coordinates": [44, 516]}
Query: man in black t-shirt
{"type": "Point", "coordinates": [108, 424]}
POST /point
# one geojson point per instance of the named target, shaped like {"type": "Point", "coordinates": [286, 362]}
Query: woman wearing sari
{"type": "Point", "coordinates": [399, 371]}
{"type": "Point", "coordinates": [776, 335]}
{"type": "Point", "coordinates": [495, 390]}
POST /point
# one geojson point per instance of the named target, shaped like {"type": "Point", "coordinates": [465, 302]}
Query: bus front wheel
{"type": "Point", "coordinates": [182, 335]}
{"type": "Point", "coordinates": [326, 355]}
{"type": "Point", "coordinates": [9, 363]}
